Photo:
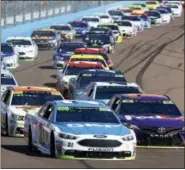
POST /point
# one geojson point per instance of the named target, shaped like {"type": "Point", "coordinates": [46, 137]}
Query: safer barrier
{"type": "Point", "coordinates": [26, 29]}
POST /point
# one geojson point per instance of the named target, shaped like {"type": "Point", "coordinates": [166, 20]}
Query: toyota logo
{"type": "Point", "coordinates": [161, 130]}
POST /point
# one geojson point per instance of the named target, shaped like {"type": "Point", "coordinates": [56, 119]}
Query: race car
{"type": "Point", "coordinates": [126, 11]}
{"type": "Point", "coordinates": [80, 27]}
{"type": "Point", "coordinates": [116, 14]}
{"type": "Point", "coordinates": [177, 11]}
{"type": "Point", "coordinates": [103, 91]}
{"type": "Point", "coordinates": [102, 30]}
{"type": "Point", "coordinates": [167, 9]}
{"type": "Point", "coordinates": [19, 100]}
{"type": "Point", "coordinates": [152, 5]}
{"type": "Point", "coordinates": [24, 47]}
{"type": "Point", "coordinates": [178, 3]}
{"type": "Point", "coordinates": [136, 21]}
{"type": "Point", "coordinates": [116, 31]}
{"type": "Point", "coordinates": [79, 130]}
{"type": "Point", "coordinates": [7, 79]}
{"type": "Point", "coordinates": [46, 38]}
{"type": "Point", "coordinates": [105, 18]}
{"type": "Point", "coordinates": [127, 28]}
{"type": "Point", "coordinates": [99, 40]}
{"type": "Point", "coordinates": [166, 17]}
{"type": "Point", "coordinates": [9, 56]}
{"type": "Point", "coordinates": [3, 64]}
{"type": "Point", "coordinates": [64, 52]}
{"type": "Point", "coordinates": [156, 120]}
{"type": "Point", "coordinates": [66, 32]}
{"type": "Point", "coordinates": [71, 70]}
{"type": "Point", "coordinates": [143, 5]}
{"type": "Point", "coordinates": [155, 16]}
{"type": "Point", "coordinates": [90, 58]}
{"type": "Point", "coordinates": [77, 85]}
{"type": "Point", "coordinates": [96, 51]}
{"type": "Point", "coordinates": [137, 9]}
{"type": "Point", "coordinates": [92, 21]}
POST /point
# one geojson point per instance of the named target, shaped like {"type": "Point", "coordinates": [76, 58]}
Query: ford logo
{"type": "Point", "coordinates": [100, 136]}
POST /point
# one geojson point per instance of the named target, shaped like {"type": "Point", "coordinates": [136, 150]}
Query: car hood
{"type": "Point", "coordinates": [22, 110]}
{"type": "Point", "coordinates": [67, 78]}
{"type": "Point", "coordinates": [154, 120]}
{"type": "Point", "coordinates": [93, 129]}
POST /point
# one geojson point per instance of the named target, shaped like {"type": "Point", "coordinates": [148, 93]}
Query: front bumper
{"type": "Point", "coordinates": [10, 64]}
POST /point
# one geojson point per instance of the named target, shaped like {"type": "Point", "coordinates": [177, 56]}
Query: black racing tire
{"type": "Point", "coordinates": [6, 126]}
{"type": "Point", "coordinates": [52, 146]}
{"type": "Point", "coordinates": [30, 143]}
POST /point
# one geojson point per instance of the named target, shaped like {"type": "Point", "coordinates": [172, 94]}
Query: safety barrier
{"type": "Point", "coordinates": [26, 29]}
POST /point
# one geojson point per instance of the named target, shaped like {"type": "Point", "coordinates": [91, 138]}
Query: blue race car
{"type": "Point", "coordinates": [79, 130]}
{"type": "Point", "coordinates": [9, 56]}
{"type": "Point", "coordinates": [64, 52]}
{"type": "Point", "coordinates": [146, 21]}
{"type": "Point", "coordinates": [77, 85]}
{"type": "Point", "coordinates": [80, 27]}
{"type": "Point", "coordinates": [155, 119]}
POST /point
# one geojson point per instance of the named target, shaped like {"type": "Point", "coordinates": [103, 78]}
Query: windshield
{"type": "Point", "coordinates": [43, 34]}
{"type": "Point", "coordinates": [85, 79]}
{"type": "Point", "coordinates": [125, 24]}
{"type": "Point", "coordinates": [6, 49]}
{"type": "Point", "coordinates": [7, 80]}
{"type": "Point", "coordinates": [153, 14]}
{"type": "Point", "coordinates": [34, 97]}
{"type": "Point", "coordinates": [90, 19]}
{"type": "Point", "coordinates": [163, 12]}
{"type": "Point", "coordinates": [117, 13]}
{"type": "Point", "coordinates": [151, 3]}
{"type": "Point", "coordinates": [112, 27]}
{"type": "Point", "coordinates": [19, 42]}
{"type": "Point", "coordinates": [89, 59]}
{"type": "Point", "coordinates": [99, 39]}
{"type": "Point", "coordinates": [149, 108]}
{"type": "Point", "coordinates": [79, 25]}
{"type": "Point", "coordinates": [71, 47]}
{"type": "Point", "coordinates": [85, 114]}
{"type": "Point", "coordinates": [76, 70]}
{"type": "Point", "coordinates": [106, 92]}
{"type": "Point", "coordinates": [61, 27]}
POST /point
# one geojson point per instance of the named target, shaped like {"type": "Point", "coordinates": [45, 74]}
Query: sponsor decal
{"type": "Point", "coordinates": [101, 149]}
{"type": "Point", "coordinates": [159, 117]}
{"type": "Point", "coordinates": [63, 108]}
{"type": "Point", "coordinates": [91, 125]}
{"type": "Point", "coordinates": [161, 130]}
{"type": "Point", "coordinates": [161, 136]}
{"type": "Point", "coordinates": [87, 75]}
{"type": "Point", "coordinates": [55, 93]}
{"type": "Point", "coordinates": [118, 75]}
{"type": "Point", "coordinates": [128, 101]}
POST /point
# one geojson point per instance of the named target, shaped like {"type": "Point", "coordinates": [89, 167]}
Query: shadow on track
{"type": "Point", "coordinates": [52, 85]}
{"type": "Point", "coordinates": [46, 67]}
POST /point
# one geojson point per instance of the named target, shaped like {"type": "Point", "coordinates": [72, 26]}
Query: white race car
{"type": "Point", "coordinates": [9, 56]}
{"type": "Point", "coordinates": [92, 21]}
{"type": "Point", "coordinates": [79, 130]}
{"type": "Point", "coordinates": [105, 18]}
{"type": "Point", "coordinates": [7, 80]}
{"type": "Point", "coordinates": [103, 91]}
{"type": "Point", "coordinates": [65, 30]}
{"type": "Point", "coordinates": [176, 9]}
{"type": "Point", "coordinates": [127, 28]}
{"type": "Point", "coordinates": [25, 47]}
{"type": "Point", "coordinates": [19, 100]}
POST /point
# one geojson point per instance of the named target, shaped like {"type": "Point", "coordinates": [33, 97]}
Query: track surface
{"type": "Point", "coordinates": [154, 59]}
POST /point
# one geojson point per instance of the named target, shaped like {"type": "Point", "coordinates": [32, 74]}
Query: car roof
{"type": "Point", "coordinates": [33, 88]}
{"type": "Point", "coordinates": [79, 103]}
{"type": "Point", "coordinates": [87, 56]}
{"type": "Point", "coordinates": [97, 71]}
{"type": "Point", "coordinates": [84, 63]}
{"type": "Point", "coordinates": [90, 16]}
{"type": "Point", "coordinates": [18, 38]}
{"type": "Point", "coordinates": [145, 97]}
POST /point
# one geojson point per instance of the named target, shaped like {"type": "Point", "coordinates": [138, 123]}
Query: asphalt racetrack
{"type": "Point", "coordinates": [154, 59]}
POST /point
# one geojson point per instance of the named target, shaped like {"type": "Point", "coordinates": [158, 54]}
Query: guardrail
{"type": "Point", "coordinates": [27, 28]}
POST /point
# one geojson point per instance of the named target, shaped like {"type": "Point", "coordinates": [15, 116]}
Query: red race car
{"type": "Point", "coordinates": [94, 51]}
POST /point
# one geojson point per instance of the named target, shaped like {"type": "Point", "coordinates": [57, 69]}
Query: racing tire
{"type": "Point", "coordinates": [30, 144]}
{"type": "Point", "coordinates": [6, 126]}
{"type": "Point", "coordinates": [52, 146]}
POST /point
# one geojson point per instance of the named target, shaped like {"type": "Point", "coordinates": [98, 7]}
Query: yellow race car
{"type": "Point", "coordinates": [126, 11]}
{"type": "Point", "coordinates": [137, 10]}
{"type": "Point", "coordinates": [90, 57]}
{"type": "Point", "coordinates": [152, 4]}
{"type": "Point", "coordinates": [115, 30]}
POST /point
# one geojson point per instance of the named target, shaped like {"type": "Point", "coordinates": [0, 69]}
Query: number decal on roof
{"type": "Point", "coordinates": [167, 102]}
{"type": "Point", "coordinates": [63, 108]}
{"type": "Point", "coordinates": [128, 101]}
{"type": "Point", "coordinates": [18, 92]}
